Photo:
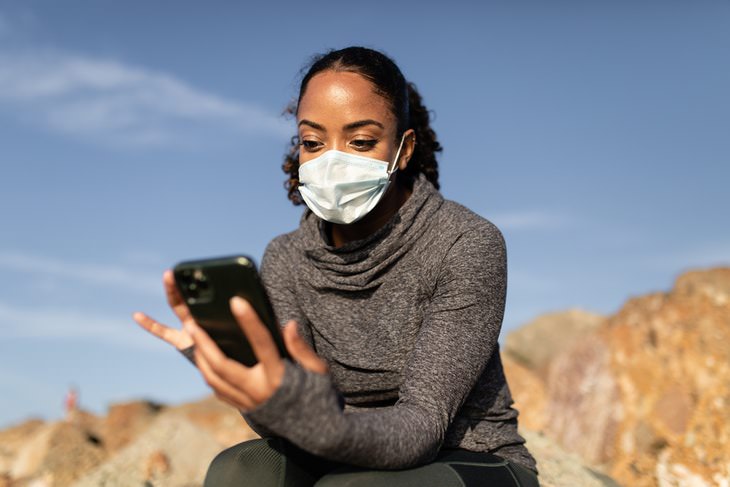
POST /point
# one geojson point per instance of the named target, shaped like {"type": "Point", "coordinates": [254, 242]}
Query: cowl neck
{"type": "Point", "coordinates": [361, 265]}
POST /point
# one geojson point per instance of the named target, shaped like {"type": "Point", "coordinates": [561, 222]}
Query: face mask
{"type": "Point", "coordinates": [341, 187]}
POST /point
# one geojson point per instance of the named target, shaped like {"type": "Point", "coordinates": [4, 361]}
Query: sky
{"type": "Point", "coordinates": [137, 134]}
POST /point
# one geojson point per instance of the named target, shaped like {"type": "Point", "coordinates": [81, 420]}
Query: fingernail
{"type": "Point", "coordinates": [238, 304]}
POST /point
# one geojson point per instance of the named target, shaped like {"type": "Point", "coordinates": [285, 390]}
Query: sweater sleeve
{"type": "Point", "coordinates": [455, 342]}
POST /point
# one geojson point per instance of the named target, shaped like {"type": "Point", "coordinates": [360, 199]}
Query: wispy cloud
{"type": "Point", "coordinates": [530, 220]}
{"type": "Point", "coordinates": [104, 275]}
{"type": "Point", "coordinates": [111, 101]}
{"type": "Point", "coordinates": [72, 325]}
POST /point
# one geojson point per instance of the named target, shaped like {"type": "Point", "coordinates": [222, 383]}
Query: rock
{"type": "Point", "coordinates": [558, 468]}
{"type": "Point", "coordinates": [528, 392]}
{"type": "Point", "coordinates": [60, 451]}
{"type": "Point", "coordinates": [671, 360]}
{"type": "Point", "coordinates": [125, 421]}
{"type": "Point", "coordinates": [157, 465]}
{"type": "Point", "coordinates": [217, 418]}
{"type": "Point", "coordinates": [582, 400]}
{"type": "Point", "coordinates": [174, 448]}
{"type": "Point", "coordinates": [536, 344]}
{"type": "Point", "coordinates": [644, 393]}
{"type": "Point", "coordinates": [713, 284]}
{"type": "Point", "coordinates": [172, 452]}
{"type": "Point", "coordinates": [92, 424]}
{"type": "Point", "coordinates": [146, 443]}
{"type": "Point", "coordinates": [12, 440]}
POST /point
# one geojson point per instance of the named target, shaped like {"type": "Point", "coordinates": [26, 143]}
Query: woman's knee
{"type": "Point", "coordinates": [252, 463]}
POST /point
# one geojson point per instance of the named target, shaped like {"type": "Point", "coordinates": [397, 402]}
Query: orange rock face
{"type": "Point", "coordinates": [528, 392]}
{"type": "Point", "coordinates": [647, 393]}
{"type": "Point", "coordinates": [671, 360]}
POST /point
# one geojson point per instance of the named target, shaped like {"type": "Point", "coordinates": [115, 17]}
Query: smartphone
{"type": "Point", "coordinates": [208, 285]}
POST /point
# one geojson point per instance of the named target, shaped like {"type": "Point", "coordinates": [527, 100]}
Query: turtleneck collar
{"type": "Point", "coordinates": [361, 264]}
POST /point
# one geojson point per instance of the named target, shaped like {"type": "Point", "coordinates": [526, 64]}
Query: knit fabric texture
{"type": "Point", "coordinates": [408, 320]}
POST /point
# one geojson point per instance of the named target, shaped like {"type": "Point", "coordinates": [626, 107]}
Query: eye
{"type": "Point", "coordinates": [311, 145]}
{"type": "Point", "coordinates": [364, 144]}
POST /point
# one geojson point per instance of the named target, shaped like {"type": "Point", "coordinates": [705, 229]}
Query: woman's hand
{"type": "Point", "coordinates": [180, 339]}
{"type": "Point", "coordinates": [244, 387]}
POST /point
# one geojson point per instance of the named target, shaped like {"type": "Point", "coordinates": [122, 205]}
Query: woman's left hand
{"type": "Point", "coordinates": [244, 387]}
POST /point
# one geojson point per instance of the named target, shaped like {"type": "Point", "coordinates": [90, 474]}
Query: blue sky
{"type": "Point", "coordinates": [136, 134]}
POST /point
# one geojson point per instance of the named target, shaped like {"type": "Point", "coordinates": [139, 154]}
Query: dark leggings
{"type": "Point", "coordinates": [273, 462]}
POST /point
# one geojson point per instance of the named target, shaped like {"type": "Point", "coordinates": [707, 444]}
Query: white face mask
{"type": "Point", "coordinates": [341, 187]}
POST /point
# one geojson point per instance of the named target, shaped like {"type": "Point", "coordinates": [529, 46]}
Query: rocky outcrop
{"type": "Point", "coordinates": [645, 394]}
{"type": "Point", "coordinates": [179, 443]}
{"type": "Point", "coordinates": [528, 392]}
{"type": "Point", "coordinates": [559, 468]}
{"type": "Point", "coordinates": [125, 421]}
{"type": "Point", "coordinates": [548, 336]}
{"type": "Point", "coordinates": [671, 361]}
{"type": "Point", "coordinates": [59, 453]}
{"type": "Point", "coordinates": [583, 401]}
{"type": "Point", "coordinates": [172, 451]}
{"type": "Point", "coordinates": [137, 443]}
{"type": "Point", "coordinates": [13, 439]}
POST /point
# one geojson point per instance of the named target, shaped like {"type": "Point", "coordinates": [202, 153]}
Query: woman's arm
{"type": "Point", "coordinates": [456, 340]}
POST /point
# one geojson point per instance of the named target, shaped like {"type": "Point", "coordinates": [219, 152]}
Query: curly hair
{"type": "Point", "coordinates": [403, 97]}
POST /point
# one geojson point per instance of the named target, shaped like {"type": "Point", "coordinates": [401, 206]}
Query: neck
{"type": "Point", "coordinates": [393, 199]}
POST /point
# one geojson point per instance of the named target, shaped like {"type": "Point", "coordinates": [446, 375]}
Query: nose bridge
{"type": "Point", "coordinates": [337, 142]}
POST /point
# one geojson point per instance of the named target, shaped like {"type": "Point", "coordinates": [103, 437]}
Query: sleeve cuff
{"type": "Point", "coordinates": [303, 403]}
{"type": "Point", "coordinates": [189, 353]}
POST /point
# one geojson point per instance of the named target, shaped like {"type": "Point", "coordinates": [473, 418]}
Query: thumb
{"type": "Point", "coordinates": [301, 351]}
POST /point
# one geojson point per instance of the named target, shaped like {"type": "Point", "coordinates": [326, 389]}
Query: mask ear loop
{"type": "Point", "coordinates": [394, 167]}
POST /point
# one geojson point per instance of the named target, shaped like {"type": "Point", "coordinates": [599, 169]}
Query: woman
{"type": "Point", "coordinates": [393, 299]}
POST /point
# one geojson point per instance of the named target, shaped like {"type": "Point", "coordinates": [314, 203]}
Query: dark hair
{"type": "Point", "coordinates": [405, 103]}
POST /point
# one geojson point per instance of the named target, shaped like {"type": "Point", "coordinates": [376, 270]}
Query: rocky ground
{"type": "Point", "coordinates": [636, 399]}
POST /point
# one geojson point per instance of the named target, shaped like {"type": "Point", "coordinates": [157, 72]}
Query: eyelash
{"type": "Point", "coordinates": [310, 145]}
{"type": "Point", "coordinates": [362, 145]}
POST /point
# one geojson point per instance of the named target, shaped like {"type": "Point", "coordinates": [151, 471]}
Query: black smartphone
{"type": "Point", "coordinates": [207, 286]}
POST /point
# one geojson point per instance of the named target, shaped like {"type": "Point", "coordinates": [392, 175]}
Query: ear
{"type": "Point", "coordinates": [406, 152]}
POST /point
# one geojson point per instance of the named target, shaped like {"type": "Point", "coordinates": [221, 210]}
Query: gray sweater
{"type": "Point", "coordinates": [408, 321]}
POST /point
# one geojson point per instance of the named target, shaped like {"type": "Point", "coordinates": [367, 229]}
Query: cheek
{"type": "Point", "coordinates": [305, 157]}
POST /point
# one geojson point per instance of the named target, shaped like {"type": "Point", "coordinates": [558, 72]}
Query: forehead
{"type": "Point", "coordinates": [333, 96]}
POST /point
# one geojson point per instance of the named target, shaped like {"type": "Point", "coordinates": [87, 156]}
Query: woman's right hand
{"type": "Point", "coordinates": [178, 338]}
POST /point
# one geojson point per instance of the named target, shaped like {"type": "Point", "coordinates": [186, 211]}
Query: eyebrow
{"type": "Point", "coordinates": [315, 126]}
{"type": "Point", "coordinates": [349, 126]}
{"type": "Point", "coordinates": [363, 123]}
